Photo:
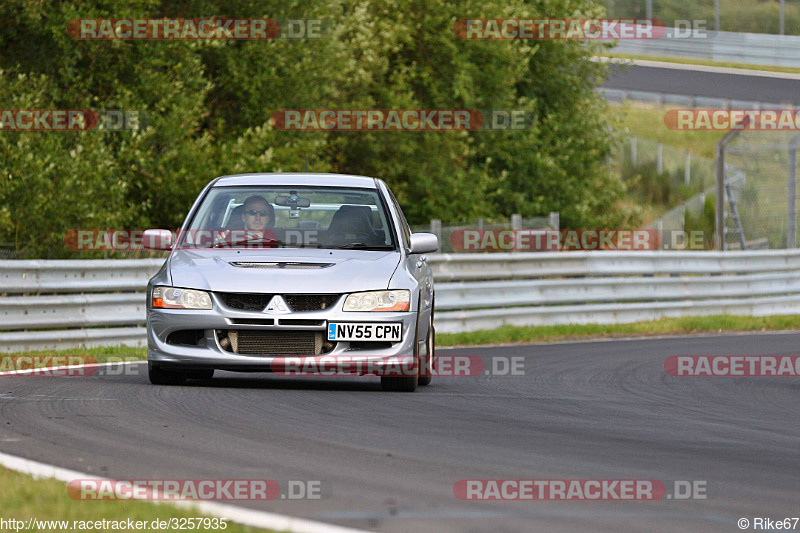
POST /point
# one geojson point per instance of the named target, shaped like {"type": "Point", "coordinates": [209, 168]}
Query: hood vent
{"type": "Point", "coordinates": [273, 264]}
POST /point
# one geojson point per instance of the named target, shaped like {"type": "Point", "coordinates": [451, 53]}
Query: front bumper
{"type": "Point", "coordinates": [212, 354]}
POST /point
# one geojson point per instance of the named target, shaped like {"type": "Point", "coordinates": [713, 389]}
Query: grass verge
{"type": "Point", "coordinates": [666, 326]}
{"type": "Point", "coordinates": [24, 497]}
{"type": "Point", "coordinates": [102, 354]}
{"type": "Point", "coordinates": [647, 121]}
{"type": "Point", "coordinates": [705, 62]}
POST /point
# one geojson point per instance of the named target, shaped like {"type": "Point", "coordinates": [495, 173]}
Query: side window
{"type": "Point", "coordinates": [404, 229]}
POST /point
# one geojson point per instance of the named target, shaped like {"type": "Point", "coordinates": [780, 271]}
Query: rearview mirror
{"type": "Point", "coordinates": [292, 201]}
{"type": "Point", "coordinates": [157, 239]}
{"type": "Point", "coordinates": [424, 243]}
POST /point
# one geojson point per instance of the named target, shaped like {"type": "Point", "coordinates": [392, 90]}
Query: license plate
{"type": "Point", "coordinates": [370, 331]}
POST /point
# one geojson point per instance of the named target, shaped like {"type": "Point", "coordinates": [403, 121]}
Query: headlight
{"type": "Point", "coordinates": [172, 298]}
{"type": "Point", "coordinates": [378, 301]}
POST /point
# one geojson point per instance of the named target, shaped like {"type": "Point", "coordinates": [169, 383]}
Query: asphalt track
{"type": "Point", "coordinates": [591, 410]}
{"type": "Point", "coordinates": [751, 86]}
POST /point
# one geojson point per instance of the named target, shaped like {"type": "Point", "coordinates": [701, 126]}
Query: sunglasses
{"type": "Point", "coordinates": [253, 212]}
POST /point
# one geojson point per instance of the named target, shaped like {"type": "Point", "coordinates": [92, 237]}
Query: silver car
{"type": "Point", "coordinates": [269, 268]}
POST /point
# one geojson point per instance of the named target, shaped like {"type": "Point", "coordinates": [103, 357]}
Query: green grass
{"type": "Point", "coordinates": [705, 62]}
{"type": "Point", "coordinates": [666, 326]}
{"type": "Point", "coordinates": [103, 354]}
{"type": "Point", "coordinates": [23, 497]}
{"type": "Point", "coordinates": [648, 121]}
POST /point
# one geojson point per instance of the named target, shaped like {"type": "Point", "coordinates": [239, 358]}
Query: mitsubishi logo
{"type": "Point", "coordinates": [277, 305]}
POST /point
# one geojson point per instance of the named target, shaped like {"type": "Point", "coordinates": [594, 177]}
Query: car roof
{"type": "Point", "coordinates": [297, 178]}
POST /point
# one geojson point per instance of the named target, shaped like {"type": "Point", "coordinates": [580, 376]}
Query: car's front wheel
{"type": "Point", "coordinates": [400, 384]}
{"type": "Point", "coordinates": [159, 376]}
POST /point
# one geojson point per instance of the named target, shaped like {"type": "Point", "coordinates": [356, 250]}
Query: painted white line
{"type": "Point", "coordinates": [26, 371]}
{"type": "Point", "coordinates": [697, 68]}
{"type": "Point", "coordinates": [239, 515]}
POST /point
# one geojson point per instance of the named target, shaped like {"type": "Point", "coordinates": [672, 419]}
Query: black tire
{"type": "Point", "coordinates": [427, 363]}
{"type": "Point", "coordinates": [158, 376]}
{"type": "Point", "coordinates": [401, 384]}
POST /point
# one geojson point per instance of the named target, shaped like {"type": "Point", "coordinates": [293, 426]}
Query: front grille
{"type": "Point", "coordinates": [310, 302]}
{"type": "Point", "coordinates": [301, 322]}
{"type": "Point", "coordinates": [245, 302]}
{"type": "Point", "coordinates": [252, 321]}
{"type": "Point", "coordinates": [274, 342]}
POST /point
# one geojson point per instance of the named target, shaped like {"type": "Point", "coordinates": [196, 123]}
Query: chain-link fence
{"type": "Point", "coordinates": [446, 231]}
{"type": "Point", "coordinates": [760, 189]}
{"type": "Point", "coordinates": [753, 17]}
{"type": "Point", "coordinates": [675, 185]}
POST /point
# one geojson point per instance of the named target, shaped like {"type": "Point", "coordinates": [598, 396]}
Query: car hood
{"type": "Point", "coordinates": [282, 270]}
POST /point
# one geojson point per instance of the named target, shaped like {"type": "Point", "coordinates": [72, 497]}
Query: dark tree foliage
{"type": "Point", "coordinates": [208, 106]}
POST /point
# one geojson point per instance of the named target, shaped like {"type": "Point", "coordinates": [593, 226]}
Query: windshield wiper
{"type": "Point", "coordinates": [362, 246]}
{"type": "Point", "coordinates": [266, 240]}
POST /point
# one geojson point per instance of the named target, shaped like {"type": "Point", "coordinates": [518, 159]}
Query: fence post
{"type": "Point", "coordinates": [660, 230]}
{"type": "Point", "coordinates": [553, 221]}
{"type": "Point", "coordinates": [660, 158]}
{"type": "Point", "coordinates": [436, 229]}
{"type": "Point", "coordinates": [687, 168]}
{"type": "Point", "coordinates": [516, 225]}
{"type": "Point", "coordinates": [791, 213]}
{"type": "Point", "coordinates": [633, 150]}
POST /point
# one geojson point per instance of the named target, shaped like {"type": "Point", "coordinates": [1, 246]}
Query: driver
{"type": "Point", "coordinates": [257, 215]}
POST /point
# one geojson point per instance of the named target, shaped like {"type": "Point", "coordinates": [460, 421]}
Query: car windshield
{"type": "Point", "coordinates": [291, 216]}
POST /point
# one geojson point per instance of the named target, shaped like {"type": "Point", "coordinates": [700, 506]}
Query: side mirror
{"type": "Point", "coordinates": [424, 243]}
{"type": "Point", "coordinates": [157, 239]}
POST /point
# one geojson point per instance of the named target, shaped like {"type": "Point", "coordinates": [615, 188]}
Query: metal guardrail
{"type": "Point", "coordinates": [495, 266]}
{"type": "Point", "coordinates": [473, 291]}
{"type": "Point", "coordinates": [751, 48]}
{"type": "Point", "coordinates": [686, 101]}
{"type": "Point", "coordinates": [76, 276]}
